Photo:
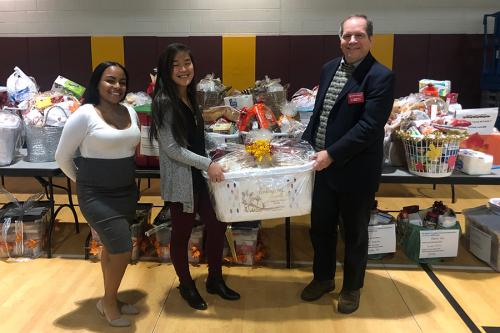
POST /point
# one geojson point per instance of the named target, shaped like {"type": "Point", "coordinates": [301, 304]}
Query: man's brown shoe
{"type": "Point", "coordinates": [315, 289]}
{"type": "Point", "coordinates": [348, 301]}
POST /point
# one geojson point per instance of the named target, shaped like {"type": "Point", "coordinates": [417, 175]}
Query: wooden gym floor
{"type": "Point", "coordinates": [58, 295]}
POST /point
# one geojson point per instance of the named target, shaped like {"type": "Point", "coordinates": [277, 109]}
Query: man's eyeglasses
{"type": "Point", "coordinates": [357, 36]}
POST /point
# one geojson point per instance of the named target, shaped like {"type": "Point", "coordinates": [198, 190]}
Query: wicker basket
{"type": "Point", "coordinates": [41, 142]}
{"type": "Point", "coordinates": [207, 99]}
{"type": "Point", "coordinates": [433, 158]}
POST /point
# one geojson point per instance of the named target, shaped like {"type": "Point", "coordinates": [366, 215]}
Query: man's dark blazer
{"type": "Point", "coordinates": [355, 131]}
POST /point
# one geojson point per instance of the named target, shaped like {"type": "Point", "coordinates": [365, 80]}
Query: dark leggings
{"type": "Point", "coordinates": [182, 224]}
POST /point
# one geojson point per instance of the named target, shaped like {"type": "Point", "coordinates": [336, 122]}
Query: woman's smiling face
{"type": "Point", "coordinates": [113, 85]}
{"type": "Point", "coordinates": [182, 69]}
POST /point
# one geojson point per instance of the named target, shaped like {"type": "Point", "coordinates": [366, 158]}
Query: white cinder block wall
{"type": "Point", "coordinates": [217, 17]}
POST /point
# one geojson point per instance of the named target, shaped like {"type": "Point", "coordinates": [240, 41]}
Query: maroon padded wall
{"type": "Point", "coordinates": [142, 53]}
{"type": "Point", "coordinates": [46, 57]}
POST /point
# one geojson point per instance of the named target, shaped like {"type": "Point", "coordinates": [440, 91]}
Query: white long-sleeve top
{"type": "Point", "coordinates": [87, 131]}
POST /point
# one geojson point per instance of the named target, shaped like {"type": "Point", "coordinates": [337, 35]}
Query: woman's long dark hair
{"type": "Point", "coordinates": [166, 94]}
{"type": "Point", "coordinates": [91, 95]}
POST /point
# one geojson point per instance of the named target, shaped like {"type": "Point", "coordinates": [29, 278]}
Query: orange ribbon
{"type": "Point", "coordinates": [95, 247]}
{"type": "Point", "coordinates": [31, 243]}
{"type": "Point", "coordinates": [195, 252]}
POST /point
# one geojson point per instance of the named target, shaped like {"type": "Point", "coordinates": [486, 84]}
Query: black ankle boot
{"type": "Point", "coordinates": [220, 288]}
{"type": "Point", "coordinates": [193, 297]}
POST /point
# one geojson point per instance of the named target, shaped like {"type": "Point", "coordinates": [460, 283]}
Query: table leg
{"type": "Point", "coordinates": [71, 205]}
{"type": "Point", "coordinates": [52, 217]}
{"type": "Point", "coordinates": [87, 245]}
{"type": "Point", "coordinates": [453, 198]}
{"type": "Point", "coordinates": [287, 241]}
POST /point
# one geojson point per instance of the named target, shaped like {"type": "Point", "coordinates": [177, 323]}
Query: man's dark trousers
{"type": "Point", "coordinates": [328, 206]}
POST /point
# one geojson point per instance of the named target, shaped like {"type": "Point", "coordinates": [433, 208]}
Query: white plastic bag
{"type": "Point", "coordinates": [20, 87]}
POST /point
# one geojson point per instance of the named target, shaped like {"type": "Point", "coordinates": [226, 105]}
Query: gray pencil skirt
{"type": "Point", "coordinates": [107, 196]}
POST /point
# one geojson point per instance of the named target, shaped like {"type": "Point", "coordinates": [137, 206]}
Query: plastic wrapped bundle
{"type": "Point", "coordinates": [10, 136]}
{"type": "Point", "coordinates": [272, 93]}
{"type": "Point", "coordinates": [210, 92]}
{"type": "Point", "coordinates": [245, 240]}
{"type": "Point", "coordinates": [160, 236]}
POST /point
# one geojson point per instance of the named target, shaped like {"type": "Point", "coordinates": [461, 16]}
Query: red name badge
{"type": "Point", "coordinates": [356, 98]}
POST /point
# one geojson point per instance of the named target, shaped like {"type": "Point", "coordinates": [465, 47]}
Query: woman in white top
{"type": "Point", "coordinates": [106, 133]}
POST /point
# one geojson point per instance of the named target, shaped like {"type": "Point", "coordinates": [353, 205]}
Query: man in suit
{"type": "Point", "coordinates": [346, 129]}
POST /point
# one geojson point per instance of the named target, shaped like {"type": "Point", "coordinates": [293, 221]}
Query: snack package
{"type": "Point", "coordinates": [443, 87]}
{"type": "Point", "coordinates": [65, 86]}
{"type": "Point", "coordinates": [262, 115]}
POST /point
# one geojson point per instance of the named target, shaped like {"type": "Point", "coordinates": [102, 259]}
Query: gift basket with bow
{"type": "Point", "coordinates": [23, 227]}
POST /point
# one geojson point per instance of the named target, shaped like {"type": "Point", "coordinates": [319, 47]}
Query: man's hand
{"type": "Point", "coordinates": [321, 160]}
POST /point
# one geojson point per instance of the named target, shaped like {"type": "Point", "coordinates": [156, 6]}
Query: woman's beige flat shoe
{"type": "Point", "coordinates": [118, 322]}
{"type": "Point", "coordinates": [126, 308]}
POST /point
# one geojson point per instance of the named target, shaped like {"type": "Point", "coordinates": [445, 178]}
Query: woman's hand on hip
{"type": "Point", "coordinates": [215, 172]}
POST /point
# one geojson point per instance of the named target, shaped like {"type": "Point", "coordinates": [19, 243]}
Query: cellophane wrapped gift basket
{"type": "Point", "coordinates": [271, 92]}
{"type": "Point", "coordinates": [265, 178]}
{"type": "Point", "coordinates": [157, 243]}
{"type": "Point", "coordinates": [431, 137]}
{"type": "Point", "coordinates": [244, 245]}
{"type": "Point", "coordinates": [160, 236]}
{"type": "Point", "coordinates": [23, 227]}
{"type": "Point", "coordinates": [210, 92]}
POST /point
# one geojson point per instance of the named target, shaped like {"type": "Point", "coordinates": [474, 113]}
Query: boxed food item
{"type": "Point", "coordinates": [482, 231]}
{"type": "Point", "coordinates": [443, 87]}
{"type": "Point", "coordinates": [24, 228]}
{"type": "Point", "coordinates": [63, 85]}
{"type": "Point", "coordinates": [239, 101]}
{"type": "Point", "coordinates": [263, 193]}
{"type": "Point", "coordinates": [474, 162]}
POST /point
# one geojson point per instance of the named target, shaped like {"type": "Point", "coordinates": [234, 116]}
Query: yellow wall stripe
{"type": "Point", "coordinates": [106, 48]}
{"type": "Point", "coordinates": [383, 49]}
{"type": "Point", "coordinates": [238, 61]}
